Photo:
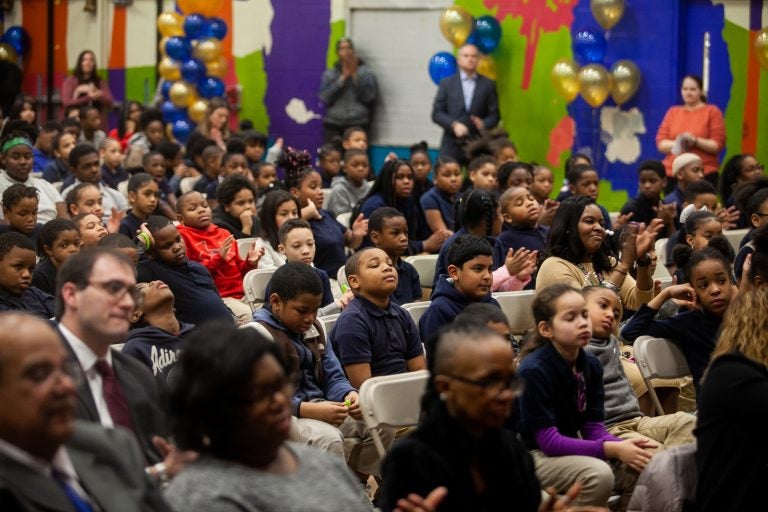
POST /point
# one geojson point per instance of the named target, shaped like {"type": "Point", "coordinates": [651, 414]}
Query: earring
{"type": "Point", "coordinates": [443, 396]}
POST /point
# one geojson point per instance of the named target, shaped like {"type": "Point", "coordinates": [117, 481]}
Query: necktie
{"type": "Point", "coordinates": [80, 504]}
{"type": "Point", "coordinates": [113, 395]}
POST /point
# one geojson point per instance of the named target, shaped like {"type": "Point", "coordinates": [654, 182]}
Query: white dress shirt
{"type": "Point", "coordinates": [87, 360]}
{"type": "Point", "coordinates": [468, 84]}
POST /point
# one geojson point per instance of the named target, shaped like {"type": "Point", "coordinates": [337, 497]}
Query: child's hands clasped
{"type": "Point", "coordinates": [632, 452]}
{"type": "Point", "coordinates": [521, 263]}
{"type": "Point", "coordinates": [354, 405]}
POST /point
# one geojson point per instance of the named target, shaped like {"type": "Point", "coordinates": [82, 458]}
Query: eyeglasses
{"type": "Point", "coordinates": [117, 289]}
{"type": "Point", "coordinates": [759, 214]}
{"type": "Point", "coordinates": [581, 392]}
{"type": "Point", "coordinates": [754, 168]}
{"type": "Point", "coordinates": [494, 385]}
{"type": "Point", "coordinates": [266, 392]}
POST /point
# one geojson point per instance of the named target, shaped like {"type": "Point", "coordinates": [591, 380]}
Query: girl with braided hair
{"type": "Point", "coordinates": [331, 237]}
{"type": "Point", "coordinates": [478, 213]}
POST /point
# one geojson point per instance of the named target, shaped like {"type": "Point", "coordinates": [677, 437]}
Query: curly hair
{"type": "Point", "coordinates": [297, 165]}
{"type": "Point", "coordinates": [743, 330]}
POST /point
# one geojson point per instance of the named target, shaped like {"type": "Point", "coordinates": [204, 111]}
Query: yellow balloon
{"type": "Point", "coordinates": [207, 50]}
{"type": "Point", "coordinates": [486, 66]}
{"type": "Point", "coordinates": [169, 69]}
{"type": "Point", "coordinates": [565, 79]}
{"type": "Point", "coordinates": [761, 47]}
{"type": "Point", "coordinates": [625, 81]}
{"type": "Point", "coordinates": [8, 53]}
{"type": "Point", "coordinates": [170, 24]}
{"type": "Point", "coordinates": [197, 110]}
{"type": "Point", "coordinates": [182, 94]}
{"type": "Point", "coordinates": [456, 25]}
{"type": "Point", "coordinates": [607, 12]}
{"type": "Point", "coordinates": [204, 7]}
{"type": "Point", "coordinates": [594, 84]}
{"type": "Point", "coordinates": [217, 68]}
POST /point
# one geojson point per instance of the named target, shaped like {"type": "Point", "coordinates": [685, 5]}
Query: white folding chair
{"type": "Point", "coordinates": [517, 308]}
{"type": "Point", "coordinates": [188, 183]}
{"type": "Point", "coordinates": [341, 278]}
{"type": "Point", "coordinates": [258, 328]}
{"type": "Point", "coordinates": [326, 197]}
{"type": "Point", "coordinates": [255, 285]}
{"type": "Point", "coordinates": [416, 310]}
{"type": "Point", "coordinates": [122, 187]}
{"type": "Point", "coordinates": [327, 323]}
{"type": "Point", "coordinates": [665, 281]}
{"type": "Point", "coordinates": [392, 401]}
{"type": "Point", "coordinates": [425, 265]}
{"type": "Point", "coordinates": [343, 218]}
{"type": "Point", "coordinates": [244, 245]}
{"type": "Point", "coordinates": [734, 237]}
{"type": "Point", "coordinates": [661, 258]}
{"type": "Point", "coordinates": [659, 358]}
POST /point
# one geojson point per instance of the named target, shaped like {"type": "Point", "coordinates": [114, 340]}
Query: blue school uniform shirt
{"type": "Point", "coordinates": [384, 338]}
{"type": "Point", "coordinates": [447, 302]}
{"type": "Point", "coordinates": [516, 237]}
{"type": "Point", "coordinates": [441, 267]}
{"type": "Point", "coordinates": [676, 197]}
{"type": "Point", "coordinates": [31, 300]}
{"type": "Point", "coordinates": [197, 298]}
{"type": "Point", "coordinates": [550, 398]}
{"type": "Point", "coordinates": [111, 179]}
{"type": "Point", "coordinates": [56, 171]}
{"type": "Point", "coordinates": [6, 228]}
{"type": "Point", "coordinates": [327, 293]}
{"type": "Point", "coordinates": [39, 160]}
{"type": "Point", "coordinates": [329, 243]}
{"type": "Point", "coordinates": [435, 199]}
{"type": "Point", "coordinates": [130, 224]}
{"type": "Point", "coordinates": [408, 284]}
{"type": "Point", "coordinates": [418, 229]}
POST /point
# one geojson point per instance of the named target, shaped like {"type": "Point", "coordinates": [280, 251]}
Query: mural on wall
{"type": "Point", "coordinates": [278, 50]}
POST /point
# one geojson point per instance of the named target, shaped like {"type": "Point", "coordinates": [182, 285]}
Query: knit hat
{"type": "Point", "coordinates": [682, 160]}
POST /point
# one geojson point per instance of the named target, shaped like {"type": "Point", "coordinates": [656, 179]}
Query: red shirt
{"type": "Point", "coordinates": [703, 123]}
{"type": "Point", "coordinates": [203, 246]}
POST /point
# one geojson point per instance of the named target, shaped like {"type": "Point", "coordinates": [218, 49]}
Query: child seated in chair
{"type": "Point", "coordinates": [17, 262]}
{"type": "Point", "coordinates": [326, 406]}
{"type": "Point", "coordinates": [388, 230]}
{"type": "Point", "coordinates": [373, 335]}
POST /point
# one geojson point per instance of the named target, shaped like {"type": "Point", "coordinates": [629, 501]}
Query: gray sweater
{"type": "Point", "coordinates": [344, 195]}
{"type": "Point", "coordinates": [620, 402]}
{"type": "Point", "coordinates": [322, 484]}
{"type": "Point", "coordinates": [348, 102]}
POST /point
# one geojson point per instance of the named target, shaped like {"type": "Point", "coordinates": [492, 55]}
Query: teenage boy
{"type": "Point", "coordinates": [388, 231]}
{"type": "Point", "coordinates": [373, 335]}
{"type": "Point", "coordinates": [652, 179]}
{"type": "Point", "coordinates": [469, 280]}
{"type": "Point", "coordinates": [42, 153]}
{"type": "Point", "coordinates": [90, 121]}
{"type": "Point", "coordinates": [17, 262]}
{"type": "Point", "coordinates": [686, 169]}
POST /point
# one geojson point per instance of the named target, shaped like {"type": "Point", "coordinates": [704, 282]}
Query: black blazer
{"type": "Point", "coordinates": [109, 465]}
{"type": "Point", "coordinates": [141, 393]}
{"type": "Point", "coordinates": [449, 107]}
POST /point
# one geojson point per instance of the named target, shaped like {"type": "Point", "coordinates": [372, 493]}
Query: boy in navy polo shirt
{"type": "Point", "coordinates": [373, 335]}
{"type": "Point", "coordinates": [143, 195]}
{"type": "Point", "coordinates": [469, 280]}
{"type": "Point", "coordinates": [197, 299]}
{"type": "Point", "coordinates": [17, 261]}
{"type": "Point", "coordinates": [388, 230]}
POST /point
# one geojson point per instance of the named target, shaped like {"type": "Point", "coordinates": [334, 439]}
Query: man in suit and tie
{"type": "Point", "coordinates": [95, 298]}
{"type": "Point", "coordinates": [49, 461]}
{"type": "Point", "coordinates": [466, 103]}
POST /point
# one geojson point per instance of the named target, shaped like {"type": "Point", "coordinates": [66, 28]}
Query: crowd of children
{"type": "Point", "coordinates": [180, 211]}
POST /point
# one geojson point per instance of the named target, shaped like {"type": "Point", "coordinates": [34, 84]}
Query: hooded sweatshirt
{"type": "Point", "coordinates": [233, 224]}
{"type": "Point", "coordinates": [334, 385]}
{"type": "Point", "coordinates": [158, 350]}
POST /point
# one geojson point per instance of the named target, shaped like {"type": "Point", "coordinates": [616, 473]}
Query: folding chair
{"type": "Point", "coordinates": [327, 323]}
{"type": "Point", "coordinates": [244, 245]}
{"type": "Point", "coordinates": [341, 278]}
{"type": "Point", "coordinates": [425, 265]}
{"type": "Point", "coordinates": [258, 328]}
{"type": "Point", "coordinates": [659, 358]}
{"type": "Point", "coordinates": [343, 218]}
{"type": "Point", "coordinates": [517, 308]}
{"type": "Point", "coordinates": [392, 401]}
{"type": "Point", "coordinates": [665, 281]}
{"type": "Point", "coordinates": [255, 284]}
{"type": "Point", "coordinates": [188, 183]}
{"type": "Point", "coordinates": [661, 259]}
{"type": "Point", "coordinates": [734, 237]}
{"type": "Point", "coordinates": [326, 197]}
{"type": "Point", "coordinates": [122, 187]}
{"type": "Point", "coordinates": [416, 310]}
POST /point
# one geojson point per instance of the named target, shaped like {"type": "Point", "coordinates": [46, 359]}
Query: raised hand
{"type": "Point", "coordinates": [255, 254]}
{"type": "Point", "coordinates": [226, 246]}
{"type": "Point", "coordinates": [360, 226]}
{"type": "Point", "coordinates": [113, 224]}
{"type": "Point", "coordinates": [548, 210]}
{"type": "Point", "coordinates": [622, 220]}
{"type": "Point", "coordinates": [516, 260]}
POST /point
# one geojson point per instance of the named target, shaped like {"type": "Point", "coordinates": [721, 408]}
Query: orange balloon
{"type": "Point", "coordinates": [204, 7]}
{"type": "Point", "coordinates": [170, 24]}
{"type": "Point", "coordinates": [217, 68]}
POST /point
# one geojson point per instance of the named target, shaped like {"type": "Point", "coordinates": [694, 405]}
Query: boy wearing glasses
{"type": "Point", "coordinates": [17, 262]}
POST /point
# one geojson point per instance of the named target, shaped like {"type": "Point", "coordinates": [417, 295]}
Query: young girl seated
{"type": "Point", "coordinates": [562, 409]}
{"type": "Point", "coordinates": [697, 228]}
{"type": "Point", "coordinates": [542, 184]}
{"type": "Point", "coordinates": [752, 199]}
{"type": "Point", "coordinates": [483, 174]}
{"type": "Point", "coordinates": [706, 298]}
{"type": "Point", "coordinates": [86, 198]}
{"type": "Point", "coordinates": [112, 170]}
{"type": "Point", "coordinates": [279, 206]}
{"type": "Point", "coordinates": [422, 166]}
{"type": "Point", "coordinates": [438, 202]}
{"type": "Point", "coordinates": [265, 179]}
{"type": "Point", "coordinates": [515, 174]}
{"type": "Point", "coordinates": [58, 240]}
{"type": "Point", "coordinates": [90, 228]}
{"type": "Point", "coordinates": [331, 237]}
{"type": "Point", "coordinates": [236, 211]}
{"type": "Point", "coordinates": [328, 163]}
{"type": "Point", "coordinates": [738, 170]}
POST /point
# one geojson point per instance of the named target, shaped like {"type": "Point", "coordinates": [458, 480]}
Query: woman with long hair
{"type": "Point", "coordinates": [84, 86]}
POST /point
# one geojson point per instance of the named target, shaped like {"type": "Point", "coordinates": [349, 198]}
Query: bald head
{"type": "Point", "coordinates": [18, 330]}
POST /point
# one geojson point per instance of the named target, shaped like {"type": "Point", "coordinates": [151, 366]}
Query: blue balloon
{"type": "Point", "coordinates": [182, 129]}
{"type": "Point", "coordinates": [195, 25]}
{"type": "Point", "coordinates": [165, 89]}
{"type": "Point", "coordinates": [486, 34]}
{"type": "Point", "coordinates": [178, 48]}
{"type": "Point", "coordinates": [441, 65]}
{"type": "Point", "coordinates": [217, 28]}
{"type": "Point", "coordinates": [172, 113]}
{"type": "Point", "coordinates": [210, 87]}
{"type": "Point", "coordinates": [589, 47]}
{"type": "Point", "coordinates": [192, 70]}
{"type": "Point", "coordinates": [17, 37]}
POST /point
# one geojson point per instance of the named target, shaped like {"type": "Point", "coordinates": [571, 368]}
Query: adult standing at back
{"type": "Point", "coordinates": [348, 91]}
{"type": "Point", "coordinates": [466, 103]}
{"type": "Point", "coordinates": [693, 127]}
{"type": "Point", "coordinates": [85, 87]}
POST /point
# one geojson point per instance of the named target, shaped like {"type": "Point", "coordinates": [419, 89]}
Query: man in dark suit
{"type": "Point", "coordinates": [48, 461]}
{"type": "Point", "coordinates": [95, 298]}
{"type": "Point", "coordinates": [466, 103]}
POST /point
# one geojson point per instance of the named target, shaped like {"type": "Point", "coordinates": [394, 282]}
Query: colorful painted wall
{"type": "Point", "coordinates": [278, 49]}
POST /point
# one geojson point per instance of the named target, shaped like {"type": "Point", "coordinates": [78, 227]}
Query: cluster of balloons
{"type": "Point", "coordinates": [761, 47]}
{"type": "Point", "coordinates": [459, 27]}
{"type": "Point", "coordinates": [14, 43]}
{"type": "Point", "coordinates": [587, 76]}
{"type": "Point", "coordinates": [192, 65]}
